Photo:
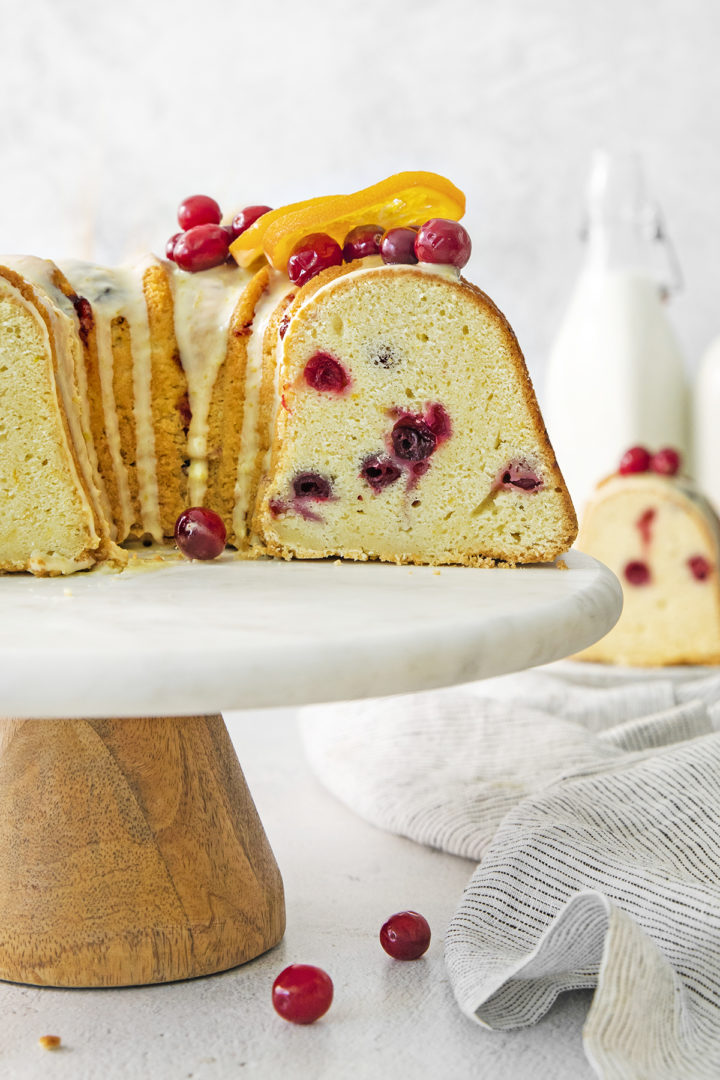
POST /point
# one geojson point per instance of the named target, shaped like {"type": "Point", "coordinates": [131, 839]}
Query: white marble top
{"type": "Point", "coordinates": [188, 638]}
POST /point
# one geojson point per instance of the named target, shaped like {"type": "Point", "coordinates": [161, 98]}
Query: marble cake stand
{"type": "Point", "coordinates": [130, 848]}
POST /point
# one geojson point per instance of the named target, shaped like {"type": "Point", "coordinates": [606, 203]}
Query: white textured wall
{"type": "Point", "coordinates": [112, 112]}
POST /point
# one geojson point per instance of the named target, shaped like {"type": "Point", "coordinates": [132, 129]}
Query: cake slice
{"type": "Point", "coordinates": [659, 535]}
{"type": "Point", "coordinates": [53, 518]}
{"type": "Point", "coordinates": [407, 428]}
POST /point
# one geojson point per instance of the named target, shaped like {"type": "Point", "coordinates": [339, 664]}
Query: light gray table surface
{"type": "Point", "coordinates": [342, 879]}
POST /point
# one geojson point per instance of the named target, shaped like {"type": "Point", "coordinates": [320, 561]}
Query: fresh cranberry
{"type": "Point", "coordinates": [637, 573]}
{"type": "Point", "coordinates": [247, 217]}
{"type": "Point", "coordinates": [361, 241]}
{"type": "Point", "coordinates": [302, 993]}
{"type": "Point", "coordinates": [700, 567]}
{"type": "Point", "coordinates": [517, 474]}
{"type": "Point", "coordinates": [198, 210]}
{"type": "Point", "coordinates": [405, 936]}
{"type": "Point", "coordinates": [412, 439]}
{"type": "Point", "coordinates": [326, 374]}
{"type": "Point", "coordinates": [170, 246]}
{"type": "Point", "coordinates": [313, 253]}
{"type": "Point", "coordinates": [666, 461]}
{"type": "Point", "coordinates": [200, 533]}
{"type": "Point", "coordinates": [398, 246]}
{"type": "Point", "coordinates": [636, 459]}
{"type": "Point", "coordinates": [379, 471]}
{"type": "Point", "coordinates": [201, 248]}
{"type": "Point", "coordinates": [442, 241]}
{"type": "Point", "coordinates": [311, 485]}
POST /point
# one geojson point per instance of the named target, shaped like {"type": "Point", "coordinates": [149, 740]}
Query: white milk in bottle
{"type": "Point", "coordinates": [706, 425]}
{"type": "Point", "coordinates": [616, 377]}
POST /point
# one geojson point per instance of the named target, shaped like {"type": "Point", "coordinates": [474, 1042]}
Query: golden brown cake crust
{"type": "Point", "coordinates": [228, 406]}
{"type": "Point", "coordinates": [88, 339]}
{"type": "Point", "coordinates": [170, 402]}
{"type": "Point", "coordinates": [254, 544]}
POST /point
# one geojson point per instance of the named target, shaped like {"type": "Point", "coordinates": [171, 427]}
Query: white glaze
{"type": "Point", "coordinates": [203, 306]}
{"type": "Point", "coordinates": [115, 292]}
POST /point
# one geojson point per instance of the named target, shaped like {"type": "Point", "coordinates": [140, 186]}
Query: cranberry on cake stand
{"type": "Point", "coordinates": [130, 848]}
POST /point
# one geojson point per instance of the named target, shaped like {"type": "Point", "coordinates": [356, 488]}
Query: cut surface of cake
{"type": "Point", "coordinates": [659, 535]}
{"type": "Point", "coordinates": [361, 401]}
{"type": "Point", "coordinates": [407, 428]}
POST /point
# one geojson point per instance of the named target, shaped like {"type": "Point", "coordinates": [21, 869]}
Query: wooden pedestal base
{"type": "Point", "coordinates": [130, 852]}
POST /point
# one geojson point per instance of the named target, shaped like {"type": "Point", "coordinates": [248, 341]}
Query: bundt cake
{"type": "Point", "coordinates": [352, 401]}
{"type": "Point", "coordinates": [661, 538]}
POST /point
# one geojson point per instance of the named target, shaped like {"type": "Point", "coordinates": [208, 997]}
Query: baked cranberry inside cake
{"type": "Point", "coordinates": [700, 567]}
{"type": "Point", "coordinates": [379, 471]}
{"type": "Point", "coordinates": [644, 524]}
{"type": "Point", "coordinates": [311, 485]}
{"type": "Point", "coordinates": [637, 573]}
{"type": "Point", "coordinates": [520, 475]}
{"type": "Point", "coordinates": [326, 374]}
{"type": "Point", "coordinates": [413, 439]}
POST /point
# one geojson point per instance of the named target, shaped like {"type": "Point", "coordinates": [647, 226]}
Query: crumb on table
{"type": "Point", "coordinates": [561, 564]}
{"type": "Point", "coordinates": [50, 1042]}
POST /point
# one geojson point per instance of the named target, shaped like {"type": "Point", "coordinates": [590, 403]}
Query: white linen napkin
{"type": "Point", "coordinates": [592, 797]}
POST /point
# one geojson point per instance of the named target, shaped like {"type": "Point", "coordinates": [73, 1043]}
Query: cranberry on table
{"type": "Point", "coordinates": [313, 253]}
{"type": "Point", "coordinates": [361, 241]}
{"type": "Point", "coordinates": [637, 573]}
{"type": "Point", "coordinates": [634, 460]}
{"type": "Point", "coordinates": [201, 248]}
{"type": "Point", "coordinates": [398, 246]}
{"type": "Point", "coordinates": [405, 935]}
{"type": "Point", "coordinates": [198, 210]}
{"type": "Point", "coordinates": [443, 241]}
{"type": "Point", "coordinates": [326, 374]}
{"type": "Point", "coordinates": [666, 461]}
{"type": "Point", "coordinates": [246, 218]}
{"type": "Point", "coordinates": [200, 533]}
{"type": "Point", "coordinates": [302, 993]}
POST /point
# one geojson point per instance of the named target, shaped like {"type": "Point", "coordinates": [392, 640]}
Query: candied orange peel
{"type": "Point", "coordinates": [407, 198]}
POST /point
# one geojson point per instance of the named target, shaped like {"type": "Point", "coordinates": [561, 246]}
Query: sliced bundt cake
{"type": "Point", "coordinates": [407, 427]}
{"type": "Point", "coordinates": [53, 516]}
{"type": "Point", "coordinates": [315, 400]}
{"type": "Point", "coordinates": [660, 537]}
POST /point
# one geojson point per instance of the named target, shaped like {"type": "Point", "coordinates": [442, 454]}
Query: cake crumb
{"type": "Point", "coordinates": [561, 565]}
{"type": "Point", "coordinates": [436, 573]}
{"type": "Point", "coordinates": [50, 1042]}
{"type": "Point", "coordinates": [67, 592]}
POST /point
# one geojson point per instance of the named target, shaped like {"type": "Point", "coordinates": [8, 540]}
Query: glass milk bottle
{"type": "Point", "coordinates": [616, 377]}
{"type": "Point", "coordinates": [706, 425]}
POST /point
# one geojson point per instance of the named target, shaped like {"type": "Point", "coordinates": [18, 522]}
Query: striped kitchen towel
{"type": "Point", "coordinates": [591, 798]}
